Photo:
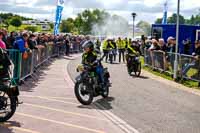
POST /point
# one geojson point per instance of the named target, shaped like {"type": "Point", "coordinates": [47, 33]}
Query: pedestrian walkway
{"type": "Point", "coordinates": [51, 107]}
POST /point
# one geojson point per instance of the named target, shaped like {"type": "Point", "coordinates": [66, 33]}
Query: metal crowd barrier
{"type": "Point", "coordinates": [188, 66]}
{"type": "Point", "coordinates": [24, 67]}
{"type": "Point", "coordinates": [15, 56]}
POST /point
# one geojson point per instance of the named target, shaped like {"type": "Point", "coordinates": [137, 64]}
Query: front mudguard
{"type": "Point", "coordinates": [79, 79]}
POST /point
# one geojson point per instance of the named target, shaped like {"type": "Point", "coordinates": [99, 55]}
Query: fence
{"type": "Point", "coordinates": [25, 67]}
{"type": "Point", "coordinates": [188, 66]}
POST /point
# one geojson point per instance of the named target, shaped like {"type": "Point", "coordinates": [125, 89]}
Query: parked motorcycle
{"type": "Point", "coordinates": [9, 93]}
{"type": "Point", "coordinates": [88, 84]}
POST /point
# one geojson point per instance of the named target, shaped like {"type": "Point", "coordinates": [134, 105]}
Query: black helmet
{"type": "Point", "coordinates": [88, 44]}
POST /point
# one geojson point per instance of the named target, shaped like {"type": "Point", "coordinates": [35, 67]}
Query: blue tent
{"type": "Point", "coordinates": [185, 32]}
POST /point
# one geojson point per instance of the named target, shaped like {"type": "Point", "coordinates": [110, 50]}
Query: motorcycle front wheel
{"type": "Point", "coordinates": [84, 96]}
{"type": "Point", "coordinates": [7, 106]}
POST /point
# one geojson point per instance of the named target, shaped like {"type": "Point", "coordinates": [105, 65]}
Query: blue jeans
{"type": "Point", "coordinates": [99, 71]}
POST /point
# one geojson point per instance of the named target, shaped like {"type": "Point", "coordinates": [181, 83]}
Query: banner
{"type": "Point", "coordinates": [164, 20]}
{"type": "Point", "coordinates": [59, 9]}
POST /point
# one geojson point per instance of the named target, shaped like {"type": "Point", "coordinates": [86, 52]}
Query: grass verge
{"type": "Point", "coordinates": [187, 83]}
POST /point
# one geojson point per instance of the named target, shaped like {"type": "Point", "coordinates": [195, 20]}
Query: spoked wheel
{"type": "Point", "coordinates": [138, 69]}
{"type": "Point", "coordinates": [7, 106]}
{"type": "Point", "coordinates": [82, 94]}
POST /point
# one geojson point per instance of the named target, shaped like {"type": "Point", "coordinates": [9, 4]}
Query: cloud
{"type": "Point", "coordinates": [147, 10]}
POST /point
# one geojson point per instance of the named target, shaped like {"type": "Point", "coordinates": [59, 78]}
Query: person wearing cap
{"type": "Point", "coordinates": [161, 43]}
{"type": "Point", "coordinates": [163, 50]}
{"type": "Point", "coordinates": [171, 43]}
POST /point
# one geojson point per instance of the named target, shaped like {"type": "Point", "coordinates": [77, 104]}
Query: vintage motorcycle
{"type": "Point", "coordinates": [88, 85]}
{"type": "Point", "coordinates": [134, 65]}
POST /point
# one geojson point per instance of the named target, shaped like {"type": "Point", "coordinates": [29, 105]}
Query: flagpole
{"type": "Point", "coordinates": [177, 41]}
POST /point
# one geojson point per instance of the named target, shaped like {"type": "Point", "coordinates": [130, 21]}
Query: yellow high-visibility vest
{"type": "Point", "coordinates": [120, 44]}
{"type": "Point", "coordinates": [105, 44]}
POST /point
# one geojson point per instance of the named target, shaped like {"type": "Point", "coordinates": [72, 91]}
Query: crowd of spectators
{"type": "Point", "coordinates": [26, 41]}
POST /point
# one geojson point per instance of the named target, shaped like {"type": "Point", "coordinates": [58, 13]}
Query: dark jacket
{"type": "Point", "coordinates": [89, 58]}
{"type": "Point", "coordinates": [32, 44]}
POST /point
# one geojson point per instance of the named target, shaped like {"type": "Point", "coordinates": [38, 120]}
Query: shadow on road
{"type": "Point", "coordinates": [6, 127]}
{"type": "Point", "coordinates": [100, 104]}
{"type": "Point", "coordinates": [31, 82]}
{"type": "Point", "coordinates": [105, 103]}
{"type": "Point", "coordinates": [67, 57]}
{"type": "Point", "coordinates": [140, 77]}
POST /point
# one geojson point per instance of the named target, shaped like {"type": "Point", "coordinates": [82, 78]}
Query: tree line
{"type": "Point", "coordinates": [193, 20]}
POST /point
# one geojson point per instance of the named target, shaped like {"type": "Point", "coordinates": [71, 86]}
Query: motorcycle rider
{"type": "Point", "coordinates": [133, 51]}
{"type": "Point", "coordinates": [89, 58]}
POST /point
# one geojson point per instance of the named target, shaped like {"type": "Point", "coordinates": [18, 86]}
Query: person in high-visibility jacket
{"type": "Point", "coordinates": [133, 51]}
{"type": "Point", "coordinates": [105, 50]}
{"type": "Point", "coordinates": [121, 49]}
{"type": "Point", "coordinates": [126, 42]}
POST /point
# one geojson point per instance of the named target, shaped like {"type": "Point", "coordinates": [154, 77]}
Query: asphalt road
{"type": "Point", "coordinates": [147, 104]}
{"type": "Point", "coordinates": [49, 106]}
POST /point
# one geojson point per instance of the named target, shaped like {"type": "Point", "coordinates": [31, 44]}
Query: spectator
{"type": "Point", "coordinates": [2, 43]}
{"type": "Point", "coordinates": [163, 49]}
{"type": "Point", "coordinates": [196, 62]}
{"type": "Point", "coordinates": [67, 44]}
{"type": "Point", "coordinates": [162, 45]}
{"type": "Point", "coordinates": [11, 40]}
{"type": "Point", "coordinates": [32, 42]}
{"type": "Point", "coordinates": [187, 46]}
{"type": "Point", "coordinates": [171, 43]}
{"type": "Point", "coordinates": [22, 44]}
{"type": "Point", "coordinates": [154, 45]}
{"type": "Point", "coordinates": [5, 37]}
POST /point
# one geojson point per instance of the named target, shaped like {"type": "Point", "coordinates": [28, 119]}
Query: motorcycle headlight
{"type": "Point", "coordinates": [80, 68]}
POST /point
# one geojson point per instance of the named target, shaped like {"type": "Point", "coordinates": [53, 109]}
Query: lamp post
{"type": "Point", "coordinates": [133, 15]}
{"type": "Point", "coordinates": [177, 41]}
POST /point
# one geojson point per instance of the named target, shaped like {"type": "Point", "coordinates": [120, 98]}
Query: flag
{"type": "Point", "coordinates": [164, 20]}
{"type": "Point", "coordinates": [59, 9]}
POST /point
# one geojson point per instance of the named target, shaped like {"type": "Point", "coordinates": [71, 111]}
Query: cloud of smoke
{"type": "Point", "coordinates": [112, 26]}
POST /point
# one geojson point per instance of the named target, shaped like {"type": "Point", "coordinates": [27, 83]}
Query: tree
{"type": "Point", "coordinates": [16, 22]}
{"type": "Point", "coordinates": [67, 26]}
{"type": "Point", "coordinates": [145, 26]}
{"type": "Point", "coordinates": [31, 28]}
{"type": "Point", "coordinates": [173, 18]}
{"type": "Point", "coordinates": [51, 25]}
{"type": "Point", "coordinates": [158, 21]}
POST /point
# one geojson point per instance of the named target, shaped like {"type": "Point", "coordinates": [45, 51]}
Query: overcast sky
{"type": "Point", "coordinates": [147, 10]}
